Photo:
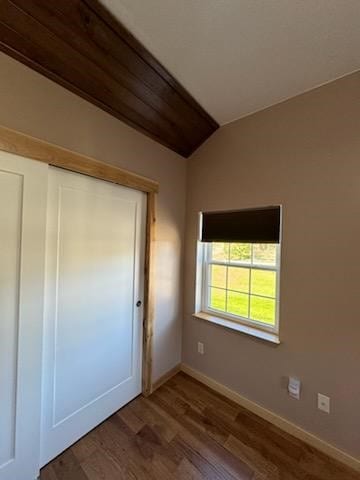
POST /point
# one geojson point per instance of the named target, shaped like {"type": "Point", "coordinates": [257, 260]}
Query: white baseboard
{"type": "Point", "coordinates": [275, 419]}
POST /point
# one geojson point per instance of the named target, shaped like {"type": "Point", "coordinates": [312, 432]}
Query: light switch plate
{"type": "Point", "coordinates": [294, 387]}
{"type": "Point", "coordinates": [323, 403]}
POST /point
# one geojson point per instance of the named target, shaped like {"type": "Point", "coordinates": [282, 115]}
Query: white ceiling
{"type": "Point", "coordinates": [239, 56]}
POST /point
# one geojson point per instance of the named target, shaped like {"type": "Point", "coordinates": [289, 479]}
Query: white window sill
{"type": "Point", "coordinates": [254, 332]}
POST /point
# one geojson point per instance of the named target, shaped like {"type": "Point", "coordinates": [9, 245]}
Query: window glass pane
{"type": "Point", "coordinates": [238, 279]}
{"type": "Point", "coordinates": [220, 252]}
{"type": "Point", "coordinates": [243, 288]}
{"type": "Point", "coordinates": [240, 252]}
{"type": "Point", "coordinates": [238, 304]}
{"type": "Point", "coordinates": [262, 310]}
{"type": "Point", "coordinates": [218, 299]}
{"type": "Point", "coordinates": [218, 276]}
{"type": "Point", "coordinates": [264, 253]}
{"type": "Point", "coordinates": [263, 282]}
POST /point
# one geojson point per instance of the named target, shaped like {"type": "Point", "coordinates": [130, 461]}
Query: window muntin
{"type": "Point", "coordinates": [241, 283]}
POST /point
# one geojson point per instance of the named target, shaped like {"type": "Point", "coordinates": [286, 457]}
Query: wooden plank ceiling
{"type": "Point", "coordinates": [79, 44]}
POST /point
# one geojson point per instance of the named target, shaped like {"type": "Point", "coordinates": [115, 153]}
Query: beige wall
{"type": "Point", "coordinates": [305, 155]}
{"type": "Point", "coordinates": [34, 105]}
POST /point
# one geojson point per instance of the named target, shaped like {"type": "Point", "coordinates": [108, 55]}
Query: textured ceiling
{"type": "Point", "coordinates": [239, 56]}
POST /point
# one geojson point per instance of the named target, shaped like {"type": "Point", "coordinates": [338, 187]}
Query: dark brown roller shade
{"type": "Point", "coordinates": [255, 225]}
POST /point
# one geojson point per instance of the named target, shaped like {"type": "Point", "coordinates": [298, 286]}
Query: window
{"type": "Point", "coordinates": [239, 264]}
{"type": "Point", "coordinates": [241, 282]}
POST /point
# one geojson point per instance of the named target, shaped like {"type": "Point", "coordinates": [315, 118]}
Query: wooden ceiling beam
{"type": "Point", "coordinates": [81, 46]}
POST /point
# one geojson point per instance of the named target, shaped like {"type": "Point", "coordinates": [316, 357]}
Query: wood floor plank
{"type": "Point", "coordinates": [149, 440]}
{"type": "Point", "coordinates": [198, 441]}
{"type": "Point", "coordinates": [179, 404]}
{"type": "Point", "coordinates": [84, 448]}
{"type": "Point", "coordinates": [322, 467]}
{"type": "Point", "coordinates": [99, 466]}
{"type": "Point", "coordinates": [67, 467]}
{"type": "Point", "coordinates": [256, 439]}
{"type": "Point", "coordinates": [263, 468]}
{"type": "Point", "coordinates": [156, 418]}
{"type": "Point", "coordinates": [257, 427]}
{"type": "Point", "coordinates": [122, 451]}
{"type": "Point", "coordinates": [187, 471]}
{"type": "Point", "coordinates": [185, 431]}
{"type": "Point", "coordinates": [48, 473]}
{"type": "Point", "coordinates": [207, 398]}
{"type": "Point", "coordinates": [208, 469]}
{"type": "Point", "coordinates": [161, 471]}
{"type": "Point", "coordinates": [132, 420]}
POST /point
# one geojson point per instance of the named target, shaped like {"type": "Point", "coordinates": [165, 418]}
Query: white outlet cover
{"type": "Point", "coordinates": [323, 403]}
{"type": "Point", "coordinates": [201, 348]}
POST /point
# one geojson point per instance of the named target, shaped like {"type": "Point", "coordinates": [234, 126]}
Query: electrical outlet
{"type": "Point", "coordinates": [201, 348]}
{"type": "Point", "coordinates": [323, 403]}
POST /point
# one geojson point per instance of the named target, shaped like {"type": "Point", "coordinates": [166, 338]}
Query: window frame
{"type": "Point", "coordinates": [204, 285]}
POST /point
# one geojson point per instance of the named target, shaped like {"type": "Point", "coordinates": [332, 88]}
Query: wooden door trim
{"type": "Point", "coordinates": [27, 146]}
{"type": "Point", "coordinates": [149, 295]}
{"type": "Point", "coordinates": [18, 143]}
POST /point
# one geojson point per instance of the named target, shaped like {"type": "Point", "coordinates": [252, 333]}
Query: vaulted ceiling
{"type": "Point", "coordinates": [81, 46]}
{"type": "Point", "coordinates": [176, 69]}
{"type": "Point", "coordinates": [239, 56]}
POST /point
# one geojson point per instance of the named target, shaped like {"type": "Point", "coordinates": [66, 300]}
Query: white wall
{"type": "Point", "coordinates": [32, 104]}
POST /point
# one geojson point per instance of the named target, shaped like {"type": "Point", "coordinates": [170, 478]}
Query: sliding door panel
{"type": "Point", "coordinates": [22, 244]}
{"type": "Point", "coordinates": [11, 189]}
{"type": "Point", "coordinates": [93, 329]}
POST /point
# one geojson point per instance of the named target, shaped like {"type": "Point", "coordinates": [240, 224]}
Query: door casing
{"type": "Point", "coordinates": [18, 143]}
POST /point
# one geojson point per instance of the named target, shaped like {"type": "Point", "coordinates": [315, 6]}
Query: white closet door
{"type": "Point", "coordinates": [93, 328]}
{"type": "Point", "coordinates": [22, 244]}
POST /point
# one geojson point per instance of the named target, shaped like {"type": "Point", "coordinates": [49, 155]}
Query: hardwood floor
{"type": "Point", "coordinates": [187, 431]}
